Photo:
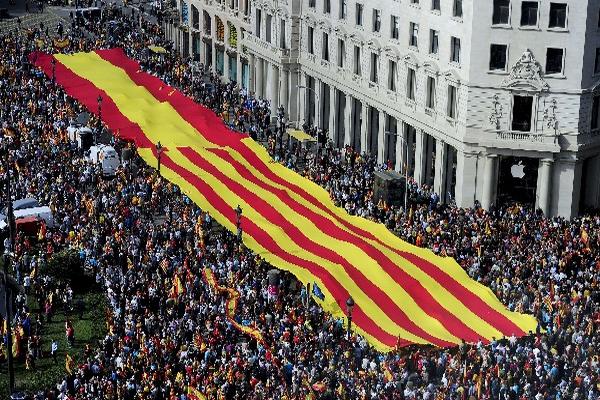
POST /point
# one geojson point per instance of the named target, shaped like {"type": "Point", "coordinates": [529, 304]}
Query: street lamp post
{"type": "Point", "coordinates": [238, 222]}
{"type": "Point", "coordinates": [99, 100]}
{"type": "Point", "coordinates": [317, 100]}
{"type": "Point", "coordinates": [405, 169]}
{"type": "Point", "coordinates": [53, 70]}
{"type": "Point", "coordinates": [159, 150]}
{"type": "Point", "coordinates": [349, 308]}
{"type": "Point", "coordinates": [7, 260]}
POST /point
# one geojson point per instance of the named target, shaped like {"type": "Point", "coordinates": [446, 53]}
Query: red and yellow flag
{"type": "Point", "coordinates": [398, 289]}
{"type": "Point", "coordinates": [195, 394]}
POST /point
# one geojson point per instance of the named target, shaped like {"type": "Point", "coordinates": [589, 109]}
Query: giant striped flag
{"type": "Point", "coordinates": [403, 294]}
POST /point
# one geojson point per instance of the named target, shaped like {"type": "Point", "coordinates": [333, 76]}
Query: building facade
{"type": "Point", "coordinates": [492, 101]}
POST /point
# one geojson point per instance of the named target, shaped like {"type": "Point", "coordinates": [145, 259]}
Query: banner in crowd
{"type": "Point", "coordinates": [403, 294]}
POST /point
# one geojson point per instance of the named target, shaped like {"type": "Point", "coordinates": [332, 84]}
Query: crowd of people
{"type": "Point", "coordinates": [148, 246]}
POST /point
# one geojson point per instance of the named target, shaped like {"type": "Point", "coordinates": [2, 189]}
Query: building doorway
{"type": "Point", "coordinates": [517, 180]}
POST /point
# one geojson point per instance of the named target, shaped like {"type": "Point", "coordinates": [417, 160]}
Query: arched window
{"type": "Point", "coordinates": [232, 35]}
{"type": "Point", "coordinates": [220, 30]}
{"type": "Point", "coordinates": [207, 23]}
{"type": "Point", "coordinates": [195, 17]}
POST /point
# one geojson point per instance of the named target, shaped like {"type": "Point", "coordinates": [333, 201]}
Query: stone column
{"type": "Point", "coordinates": [260, 74]}
{"type": "Point", "coordinates": [318, 96]}
{"type": "Point", "coordinates": [381, 138]}
{"type": "Point", "coordinates": [401, 148]}
{"type": "Point", "coordinates": [226, 76]}
{"type": "Point", "coordinates": [252, 73]}
{"type": "Point", "coordinates": [544, 183]}
{"type": "Point", "coordinates": [274, 79]}
{"type": "Point", "coordinates": [466, 173]}
{"type": "Point", "coordinates": [284, 91]}
{"type": "Point", "coordinates": [302, 99]}
{"type": "Point", "coordinates": [439, 180]}
{"type": "Point", "coordinates": [567, 187]}
{"type": "Point", "coordinates": [420, 156]}
{"type": "Point", "coordinates": [239, 67]}
{"type": "Point", "coordinates": [490, 182]}
{"type": "Point", "coordinates": [333, 111]}
{"type": "Point", "coordinates": [293, 104]}
{"type": "Point", "coordinates": [213, 56]}
{"type": "Point", "coordinates": [364, 128]}
{"type": "Point", "coordinates": [348, 121]}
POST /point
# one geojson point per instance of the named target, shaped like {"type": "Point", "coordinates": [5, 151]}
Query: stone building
{"type": "Point", "coordinates": [492, 101]}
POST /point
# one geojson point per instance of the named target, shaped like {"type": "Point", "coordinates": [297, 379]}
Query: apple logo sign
{"type": "Point", "coordinates": [518, 170]}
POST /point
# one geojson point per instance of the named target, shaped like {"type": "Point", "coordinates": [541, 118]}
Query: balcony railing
{"type": "Point", "coordinates": [525, 137]}
{"type": "Point", "coordinates": [263, 47]}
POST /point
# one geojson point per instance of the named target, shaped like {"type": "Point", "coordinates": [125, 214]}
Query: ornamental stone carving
{"type": "Point", "coordinates": [526, 74]}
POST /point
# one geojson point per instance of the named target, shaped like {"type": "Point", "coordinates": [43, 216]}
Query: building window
{"type": "Point", "coordinates": [413, 39]}
{"type": "Point", "coordinates": [343, 9]}
{"type": "Point", "coordinates": [282, 34]}
{"type": "Point", "coordinates": [359, 14]}
{"type": "Point", "coordinates": [595, 112]}
{"type": "Point", "coordinates": [498, 57]}
{"type": "Point", "coordinates": [326, 6]}
{"type": "Point", "coordinates": [356, 60]}
{"type": "Point", "coordinates": [411, 83]}
{"type": "Point", "coordinates": [457, 9]}
{"type": "Point", "coordinates": [522, 112]}
{"type": "Point", "coordinates": [341, 53]}
{"type": "Point", "coordinates": [558, 15]}
{"type": "Point", "coordinates": [395, 32]}
{"type": "Point", "coordinates": [434, 45]}
{"type": "Point", "coordinates": [325, 46]}
{"type": "Point", "coordinates": [597, 62]}
{"type": "Point", "coordinates": [430, 100]}
{"type": "Point", "coordinates": [374, 64]}
{"type": "Point", "coordinates": [554, 61]}
{"type": "Point", "coordinates": [501, 13]}
{"type": "Point", "coordinates": [529, 13]}
{"type": "Point", "coordinates": [376, 20]}
{"type": "Point", "coordinates": [435, 5]}
{"type": "Point", "coordinates": [312, 3]}
{"type": "Point", "coordinates": [268, 23]}
{"type": "Point", "coordinates": [414, 1]}
{"type": "Point", "coordinates": [258, 23]}
{"type": "Point", "coordinates": [392, 70]}
{"type": "Point", "coordinates": [311, 39]}
{"type": "Point", "coordinates": [452, 101]}
{"type": "Point", "coordinates": [455, 50]}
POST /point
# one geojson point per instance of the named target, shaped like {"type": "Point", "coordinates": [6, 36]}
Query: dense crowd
{"type": "Point", "coordinates": [147, 245]}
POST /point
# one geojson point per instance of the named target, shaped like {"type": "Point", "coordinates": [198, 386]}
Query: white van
{"type": "Point", "coordinates": [107, 157]}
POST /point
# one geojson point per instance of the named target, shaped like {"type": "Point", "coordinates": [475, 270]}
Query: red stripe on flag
{"type": "Point", "coordinates": [411, 285]}
{"type": "Point", "coordinates": [269, 212]}
{"type": "Point", "coordinates": [266, 241]}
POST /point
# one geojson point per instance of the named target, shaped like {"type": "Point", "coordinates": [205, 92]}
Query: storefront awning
{"type": "Point", "coordinates": [157, 49]}
{"type": "Point", "coordinates": [301, 135]}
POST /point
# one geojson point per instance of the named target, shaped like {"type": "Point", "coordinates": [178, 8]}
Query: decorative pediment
{"type": "Point", "coordinates": [526, 74]}
{"type": "Point", "coordinates": [325, 25]}
{"type": "Point", "coordinates": [341, 31]}
{"type": "Point", "coordinates": [431, 66]}
{"type": "Point", "coordinates": [452, 76]}
{"type": "Point", "coordinates": [374, 44]}
{"type": "Point", "coordinates": [391, 52]}
{"type": "Point", "coordinates": [411, 60]}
